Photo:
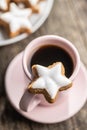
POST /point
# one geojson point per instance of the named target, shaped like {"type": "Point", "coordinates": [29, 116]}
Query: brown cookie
{"type": "Point", "coordinates": [49, 81]}
{"type": "Point", "coordinates": [16, 20]}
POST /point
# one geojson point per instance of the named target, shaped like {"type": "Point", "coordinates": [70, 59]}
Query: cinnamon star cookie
{"type": "Point", "coordinates": [16, 20]}
{"type": "Point", "coordinates": [49, 81]}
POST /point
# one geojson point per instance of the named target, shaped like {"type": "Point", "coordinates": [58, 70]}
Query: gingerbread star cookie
{"type": "Point", "coordinates": [4, 4]}
{"type": "Point", "coordinates": [16, 20]}
{"type": "Point", "coordinates": [49, 81]}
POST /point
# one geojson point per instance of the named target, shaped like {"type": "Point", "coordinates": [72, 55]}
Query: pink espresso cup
{"type": "Point", "coordinates": [30, 101]}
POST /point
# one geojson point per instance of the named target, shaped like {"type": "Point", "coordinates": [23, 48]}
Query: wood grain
{"type": "Point", "coordinates": [68, 18]}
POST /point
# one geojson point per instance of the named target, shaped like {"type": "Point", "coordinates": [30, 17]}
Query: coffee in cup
{"type": "Point", "coordinates": [46, 50]}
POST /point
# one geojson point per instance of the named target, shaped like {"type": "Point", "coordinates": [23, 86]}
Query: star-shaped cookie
{"type": "Point", "coordinates": [4, 5]}
{"type": "Point", "coordinates": [17, 20]}
{"type": "Point", "coordinates": [49, 80]}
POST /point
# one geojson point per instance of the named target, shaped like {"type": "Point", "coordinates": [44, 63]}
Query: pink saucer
{"type": "Point", "coordinates": [16, 83]}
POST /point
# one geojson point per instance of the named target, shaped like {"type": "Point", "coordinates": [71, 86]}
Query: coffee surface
{"type": "Point", "coordinates": [48, 55]}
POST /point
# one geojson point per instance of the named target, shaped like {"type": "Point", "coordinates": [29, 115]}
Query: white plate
{"type": "Point", "coordinates": [36, 20]}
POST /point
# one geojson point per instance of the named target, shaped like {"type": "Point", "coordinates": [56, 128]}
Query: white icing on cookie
{"type": "Point", "coordinates": [3, 4]}
{"type": "Point", "coordinates": [17, 18]}
{"type": "Point", "coordinates": [50, 79]}
{"type": "Point", "coordinates": [33, 2]}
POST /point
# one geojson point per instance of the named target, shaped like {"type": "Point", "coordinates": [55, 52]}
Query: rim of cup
{"type": "Point", "coordinates": [35, 44]}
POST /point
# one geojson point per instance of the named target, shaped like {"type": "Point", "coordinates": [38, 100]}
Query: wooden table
{"type": "Point", "coordinates": [68, 18]}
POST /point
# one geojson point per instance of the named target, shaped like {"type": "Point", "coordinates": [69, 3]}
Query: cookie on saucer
{"type": "Point", "coordinates": [49, 81]}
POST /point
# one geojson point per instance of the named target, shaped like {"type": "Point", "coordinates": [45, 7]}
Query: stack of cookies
{"type": "Point", "coordinates": [15, 15]}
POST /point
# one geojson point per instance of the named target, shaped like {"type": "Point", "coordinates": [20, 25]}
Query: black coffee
{"type": "Point", "coordinates": [48, 55]}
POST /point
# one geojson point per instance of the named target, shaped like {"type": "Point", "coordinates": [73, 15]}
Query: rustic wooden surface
{"type": "Point", "coordinates": [68, 18]}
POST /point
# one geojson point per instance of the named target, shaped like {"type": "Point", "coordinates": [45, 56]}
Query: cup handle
{"type": "Point", "coordinates": [29, 101]}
